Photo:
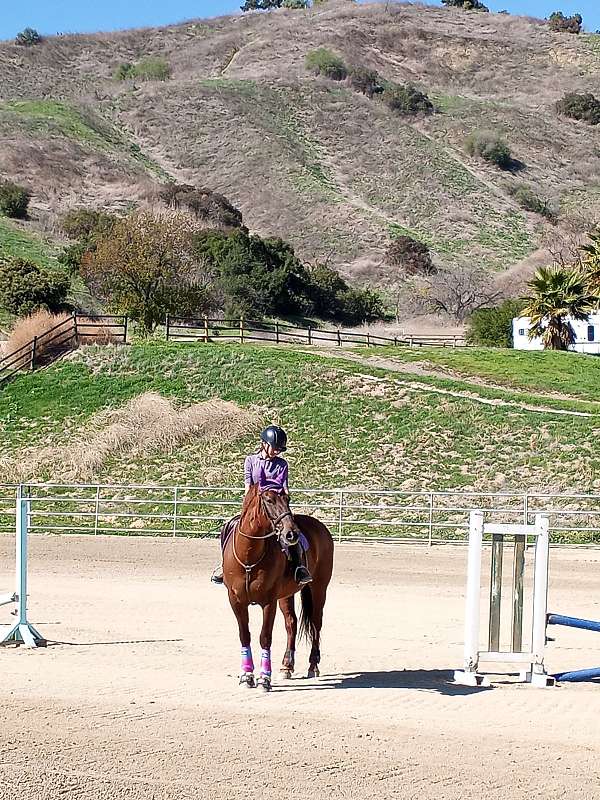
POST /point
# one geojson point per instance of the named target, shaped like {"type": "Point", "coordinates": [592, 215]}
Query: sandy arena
{"type": "Point", "coordinates": [137, 695]}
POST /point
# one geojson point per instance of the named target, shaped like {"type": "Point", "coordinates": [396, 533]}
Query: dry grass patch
{"type": "Point", "coordinates": [37, 325]}
{"type": "Point", "coordinates": [146, 425]}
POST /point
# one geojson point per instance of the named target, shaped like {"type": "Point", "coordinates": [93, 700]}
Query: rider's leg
{"type": "Point", "coordinates": [299, 570]}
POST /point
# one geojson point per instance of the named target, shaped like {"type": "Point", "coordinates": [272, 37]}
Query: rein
{"type": "Point", "coordinates": [273, 532]}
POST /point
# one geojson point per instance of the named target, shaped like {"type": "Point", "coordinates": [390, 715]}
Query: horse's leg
{"type": "Point", "coordinates": [241, 612]}
{"type": "Point", "coordinates": [318, 593]}
{"type": "Point", "coordinates": [291, 625]}
{"type": "Point", "coordinates": [266, 637]}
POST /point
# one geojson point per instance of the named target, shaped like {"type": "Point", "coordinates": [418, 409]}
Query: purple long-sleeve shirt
{"type": "Point", "coordinates": [266, 470]}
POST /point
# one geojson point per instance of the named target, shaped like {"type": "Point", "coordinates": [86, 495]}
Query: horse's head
{"type": "Point", "coordinates": [276, 507]}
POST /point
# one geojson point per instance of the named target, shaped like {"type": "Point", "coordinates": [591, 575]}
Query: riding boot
{"type": "Point", "coordinates": [217, 576]}
{"type": "Point", "coordinates": [300, 572]}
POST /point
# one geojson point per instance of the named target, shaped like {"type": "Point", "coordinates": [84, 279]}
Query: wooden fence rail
{"type": "Point", "coordinates": [210, 330]}
{"type": "Point", "coordinates": [51, 344]}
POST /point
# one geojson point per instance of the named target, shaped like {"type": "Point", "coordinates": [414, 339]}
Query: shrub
{"type": "Point", "coordinates": [366, 81]}
{"type": "Point", "coordinates": [490, 147]}
{"type": "Point", "coordinates": [324, 62]}
{"type": "Point", "coordinates": [124, 72]}
{"type": "Point", "coordinates": [26, 287]}
{"type": "Point", "coordinates": [260, 5]}
{"type": "Point", "coordinates": [14, 200]}
{"type": "Point", "coordinates": [152, 69]}
{"type": "Point", "coordinates": [410, 255]}
{"type": "Point", "coordinates": [468, 5]}
{"type": "Point", "coordinates": [406, 100]}
{"type": "Point", "coordinates": [332, 298]}
{"type": "Point", "coordinates": [28, 37]}
{"type": "Point", "coordinates": [584, 107]}
{"type": "Point", "coordinates": [35, 325]}
{"type": "Point", "coordinates": [529, 200]}
{"type": "Point", "coordinates": [559, 23]}
{"type": "Point", "coordinates": [295, 4]}
{"type": "Point", "coordinates": [71, 256]}
{"type": "Point", "coordinates": [211, 208]}
{"type": "Point", "coordinates": [492, 327]}
{"type": "Point", "coordinates": [86, 223]}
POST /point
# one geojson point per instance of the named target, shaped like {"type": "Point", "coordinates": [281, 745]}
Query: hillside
{"type": "Point", "coordinates": [305, 158]}
{"type": "Point", "coordinates": [402, 419]}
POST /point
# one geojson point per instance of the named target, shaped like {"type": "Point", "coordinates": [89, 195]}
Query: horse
{"type": "Point", "coordinates": [256, 571]}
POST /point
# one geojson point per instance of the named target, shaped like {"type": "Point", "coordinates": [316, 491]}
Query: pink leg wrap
{"type": "Point", "coordinates": [247, 663]}
{"type": "Point", "coordinates": [265, 662]}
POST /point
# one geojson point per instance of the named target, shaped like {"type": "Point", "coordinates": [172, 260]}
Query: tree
{"type": "Point", "coordinates": [492, 327]}
{"type": "Point", "coordinates": [26, 287]}
{"type": "Point", "coordinates": [28, 37]}
{"type": "Point", "coordinates": [261, 5]}
{"type": "Point", "coordinates": [584, 107]}
{"type": "Point", "coordinates": [560, 23]}
{"type": "Point", "coordinates": [467, 5]}
{"type": "Point", "coordinates": [146, 267]}
{"type": "Point", "coordinates": [590, 260]}
{"type": "Point", "coordinates": [557, 296]}
{"type": "Point", "coordinates": [460, 292]}
{"type": "Point", "coordinates": [295, 4]}
{"type": "Point", "coordinates": [211, 208]}
{"type": "Point", "coordinates": [333, 298]}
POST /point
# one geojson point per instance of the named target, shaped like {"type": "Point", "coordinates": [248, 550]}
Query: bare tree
{"type": "Point", "coordinates": [461, 291]}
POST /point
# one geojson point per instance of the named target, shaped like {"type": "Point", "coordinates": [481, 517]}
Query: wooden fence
{"type": "Point", "coordinates": [48, 346]}
{"type": "Point", "coordinates": [241, 330]}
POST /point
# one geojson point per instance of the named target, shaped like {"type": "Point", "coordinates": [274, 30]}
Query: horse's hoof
{"type": "Point", "coordinates": [313, 672]}
{"type": "Point", "coordinates": [286, 674]}
{"type": "Point", "coordinates": [264, 682]}
{"type": "Point", "coordinates": [247, 680]}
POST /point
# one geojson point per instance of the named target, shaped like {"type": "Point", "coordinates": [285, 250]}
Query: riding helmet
{"type": "Point", "coordinates": [275, 436]}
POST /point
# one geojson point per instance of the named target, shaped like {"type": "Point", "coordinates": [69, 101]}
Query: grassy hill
{"type": "Point", "coordinates": [401, 419]}
{"type": "Point", "coordinates": [306, 158]}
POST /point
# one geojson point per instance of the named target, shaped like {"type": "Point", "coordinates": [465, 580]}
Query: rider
{"type": "Point", "coordinates": [266, 462]}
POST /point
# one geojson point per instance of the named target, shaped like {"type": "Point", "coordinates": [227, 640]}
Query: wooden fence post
{"type": "Point", "coordinates": [277, 332]}
{"type": "Point", "coordinates": [205, 318]}
{"type": "Point", "coordinates": [76, 332]}
{"type": "Point", "coordinates": [241, 330]}
{"type": "Point", "coordinates": [339, 337]}
{"type": "Point", "coordinates": [33, 349]}
{"type": "Point", "coordinates": [125, 321]}
{"type": "Point", "coordinates": [368, 339]}
{"type": "Point", "coordinates": [167, 324]}
{"type": "Point", "coordinates": [309, 333]}
{"type": "Point", "coordinates": [395, 341]}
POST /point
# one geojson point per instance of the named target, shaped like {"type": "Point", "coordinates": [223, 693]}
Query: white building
{"type": "Point", "coordinates": [587, 335]}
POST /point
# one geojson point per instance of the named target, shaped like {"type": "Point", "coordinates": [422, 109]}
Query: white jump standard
{"type": "Point", "coordinates": [531, 662]}
{"type": "Point", "coordinates": [21, 632]}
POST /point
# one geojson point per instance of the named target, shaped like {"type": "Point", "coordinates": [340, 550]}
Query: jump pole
{"type": "Point", "coordinates": [22, 632]}
{"type": "Point", "coordinates": [575, 676]}
{"type": "Point", "coordinates": [533, 658]}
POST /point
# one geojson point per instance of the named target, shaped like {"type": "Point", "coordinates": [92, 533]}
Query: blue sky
{"type": "Point", "coordinates": [52, 16]}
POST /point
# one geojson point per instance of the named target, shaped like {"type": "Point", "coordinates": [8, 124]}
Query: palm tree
{"type": "Point", "coordinates": [558, 296]}
{"type": "Point", "coordinates": [590, 260]}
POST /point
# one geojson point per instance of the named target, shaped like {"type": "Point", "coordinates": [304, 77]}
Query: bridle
{"type": "Point", "coordinates": [275, 531]}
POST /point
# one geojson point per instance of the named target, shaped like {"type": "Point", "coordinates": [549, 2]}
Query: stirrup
{"type": "Point", "coordinates": [217, 577]}
{"type": "Point", "coordinates": [302, 576]}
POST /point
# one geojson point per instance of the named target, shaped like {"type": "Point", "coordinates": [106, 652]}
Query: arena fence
{"type": "Point", "coordinates": [426, 517]}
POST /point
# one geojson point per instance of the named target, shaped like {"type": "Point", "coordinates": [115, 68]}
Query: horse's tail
{"type": "Point", "coordinates": [307, 624]}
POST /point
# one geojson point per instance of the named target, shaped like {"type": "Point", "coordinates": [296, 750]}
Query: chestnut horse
{"type": "Point", "coordinates": [258, 572]}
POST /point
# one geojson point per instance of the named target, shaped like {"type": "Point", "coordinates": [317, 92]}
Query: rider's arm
{"type": "Point", "coordinates": [247, 474]}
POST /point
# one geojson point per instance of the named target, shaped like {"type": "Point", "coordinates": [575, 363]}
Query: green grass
{"type": "Point", "coordinates": [345, 428]}
{"type": "Point", "coordinates": [17, 243]}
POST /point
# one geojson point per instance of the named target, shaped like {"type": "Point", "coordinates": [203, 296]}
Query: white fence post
{"type": "Point", "coordinates": [540, 601]}
{"type": "Point", "coordinates": [22, 632]}
{"type": "Point", "coordinates": [471, 652]}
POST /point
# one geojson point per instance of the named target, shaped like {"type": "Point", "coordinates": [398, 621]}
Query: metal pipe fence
{"type": "Point", "coordinates": [379, 516]}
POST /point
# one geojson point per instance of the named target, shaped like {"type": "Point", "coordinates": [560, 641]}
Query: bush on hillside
{"type": "Point", "coordinates": [86, 223]}
{"type": "Point", "coordinates": [261, 5]}
{"type": "Point", "coordinates": [14, 200]}
{"type": "Point", "coordinates": [406, 100]}
{"type": "Point", "coordinates": [28, 37]}
{"type": "Point", "coordinates": [560, 23]}
{"type": "Point", "coordinates": [211, 208]}
{"type": "Point", "coordinates": [530, 201]}
{"type": "Point", "coordinates": [71, 256]}
{"type": "Point", "coordinates": [295, 4]}
{"type": "Point", "coordinates": [467, 5]}
{"type": "Point", "coordinates": [323, 62]}
{"type": "Point", "coordinates": [410, 255]}
{"type": "Point", "coordinates": [26, 287]}
{"type": "Point", "coordinates": [146, 267]}
{"type": "Point", "coordinates": [148, 69]}
{"type": "Point", "coordinates": [492, 327]}
{"type": "Point", "coordinates": [585, 107]}
{"type": "Point", "coordinates": [490, 147]}
{"type": "Point", "coordinates": [364, 80]}
{"type": "Point", "coordinates": [332, 298]}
